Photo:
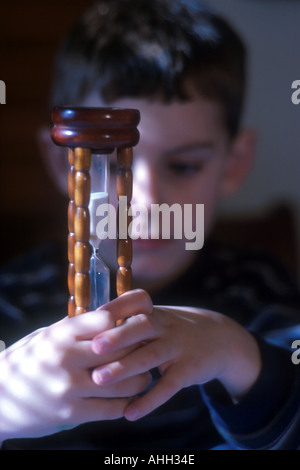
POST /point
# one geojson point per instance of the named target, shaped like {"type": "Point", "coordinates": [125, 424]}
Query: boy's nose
{"type": "Point", "coordinates": [145, 183]}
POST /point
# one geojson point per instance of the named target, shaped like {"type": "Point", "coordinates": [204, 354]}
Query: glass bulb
{"type": "Point", "coordinates": [100, 282]}
{"type": "Point", "coordinates": [99, 272]}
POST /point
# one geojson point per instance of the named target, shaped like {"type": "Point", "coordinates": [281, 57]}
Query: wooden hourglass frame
{"type": "Point", "coordinates": [86, 131]}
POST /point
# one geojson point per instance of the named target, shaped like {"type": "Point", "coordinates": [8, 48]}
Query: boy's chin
{"type": "Point", "coordinates": [154, 262]}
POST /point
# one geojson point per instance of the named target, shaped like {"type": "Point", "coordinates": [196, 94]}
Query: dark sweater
{"type": "Point", "coordinates": [249, 287]}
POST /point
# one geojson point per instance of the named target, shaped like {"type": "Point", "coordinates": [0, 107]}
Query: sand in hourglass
{"type": "Point", "coordinates": [99, 272]}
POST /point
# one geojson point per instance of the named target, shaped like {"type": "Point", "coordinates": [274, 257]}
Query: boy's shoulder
{"type": "Point", "coordinates": [231, 261]}
{"type": "Point", "coordinates": [235, 280]}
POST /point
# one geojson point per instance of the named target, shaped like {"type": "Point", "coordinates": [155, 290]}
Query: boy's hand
{"type": "Point", "coordinates": [45, 379]}
{"type": "Point", "coordinates": [189, 346]}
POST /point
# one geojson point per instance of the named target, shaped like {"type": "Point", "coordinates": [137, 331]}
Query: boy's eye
{"type": "Point", "coordinates": [185, 168]}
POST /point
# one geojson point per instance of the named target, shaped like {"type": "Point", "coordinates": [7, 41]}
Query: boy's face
{"type": "Point", "coordinates": [184, 156]}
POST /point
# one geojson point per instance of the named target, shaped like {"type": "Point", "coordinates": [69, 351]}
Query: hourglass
{"type": "Point", "coordinates": [91, 135]}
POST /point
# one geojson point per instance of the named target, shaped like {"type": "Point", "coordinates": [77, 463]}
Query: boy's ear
{"type": "Point", "coordinates": [55, 159]}
{"type": "Point", "coordinates": [239, 162]}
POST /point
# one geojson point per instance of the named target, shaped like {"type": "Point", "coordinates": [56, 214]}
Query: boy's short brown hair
{"type": "Point", "coordinates": [152, 49]}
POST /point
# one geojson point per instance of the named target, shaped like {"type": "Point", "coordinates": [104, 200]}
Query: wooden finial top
{"type": "Point", "coordinates": [96, 128]}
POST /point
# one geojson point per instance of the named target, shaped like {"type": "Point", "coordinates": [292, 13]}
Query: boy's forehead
{"type": "Point", "coordinates": [183, 123]}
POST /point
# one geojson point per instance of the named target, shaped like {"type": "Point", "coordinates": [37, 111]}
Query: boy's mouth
{"type": "Point", "coordinates": [150, 244]}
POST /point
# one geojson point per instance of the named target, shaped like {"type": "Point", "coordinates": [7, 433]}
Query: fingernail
{"type": "Point", "coordinates": [102, 376]}
{"type": "Point", "coordinates": [101, 345]}
{"type": "Point", "coordinates": [132, 413]}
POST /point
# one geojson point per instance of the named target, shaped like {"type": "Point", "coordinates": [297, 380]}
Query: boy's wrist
{"type": "Point", "coordinates": [243, 365]}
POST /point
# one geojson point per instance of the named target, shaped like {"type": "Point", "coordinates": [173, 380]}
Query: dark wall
{"type": "Point", "coordinates": [31, 208]}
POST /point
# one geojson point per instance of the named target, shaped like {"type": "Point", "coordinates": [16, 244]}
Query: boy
{"type": "Point", "coordinates": [192, 358]}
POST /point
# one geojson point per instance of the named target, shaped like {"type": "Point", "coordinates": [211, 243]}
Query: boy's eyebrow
{"type": "Point", "coordinates": [188, 148]}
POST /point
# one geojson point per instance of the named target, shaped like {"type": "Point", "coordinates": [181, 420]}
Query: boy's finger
{"type": "Point", "coordinates": [98, 409]}
{"type": "Point", "coordinates": [139, 361]}
{"type": "Point", "coordinates": [125, 388]}
{"type": "Point", "coordinates": [165, 388]}
{"type": "Point", "coordinates": [84, 326]}
{"type": "Point", "coordinates": [82, 355]}
{"type": "Point", "coordinates": [131, 303]}
{"type": "Point", "coordinates": [135, 330]}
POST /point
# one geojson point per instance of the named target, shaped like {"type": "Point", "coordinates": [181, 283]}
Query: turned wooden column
{"type": "Point", "coordinates": [82, 251]}
{"type": "Point", "coordinates": [84, 131]}
{"type": "Point", "coordinates": [124, 245]}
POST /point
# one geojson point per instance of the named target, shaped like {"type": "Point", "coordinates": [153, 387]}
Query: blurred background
{"type": "Point", "coordinates": [265, 213]}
